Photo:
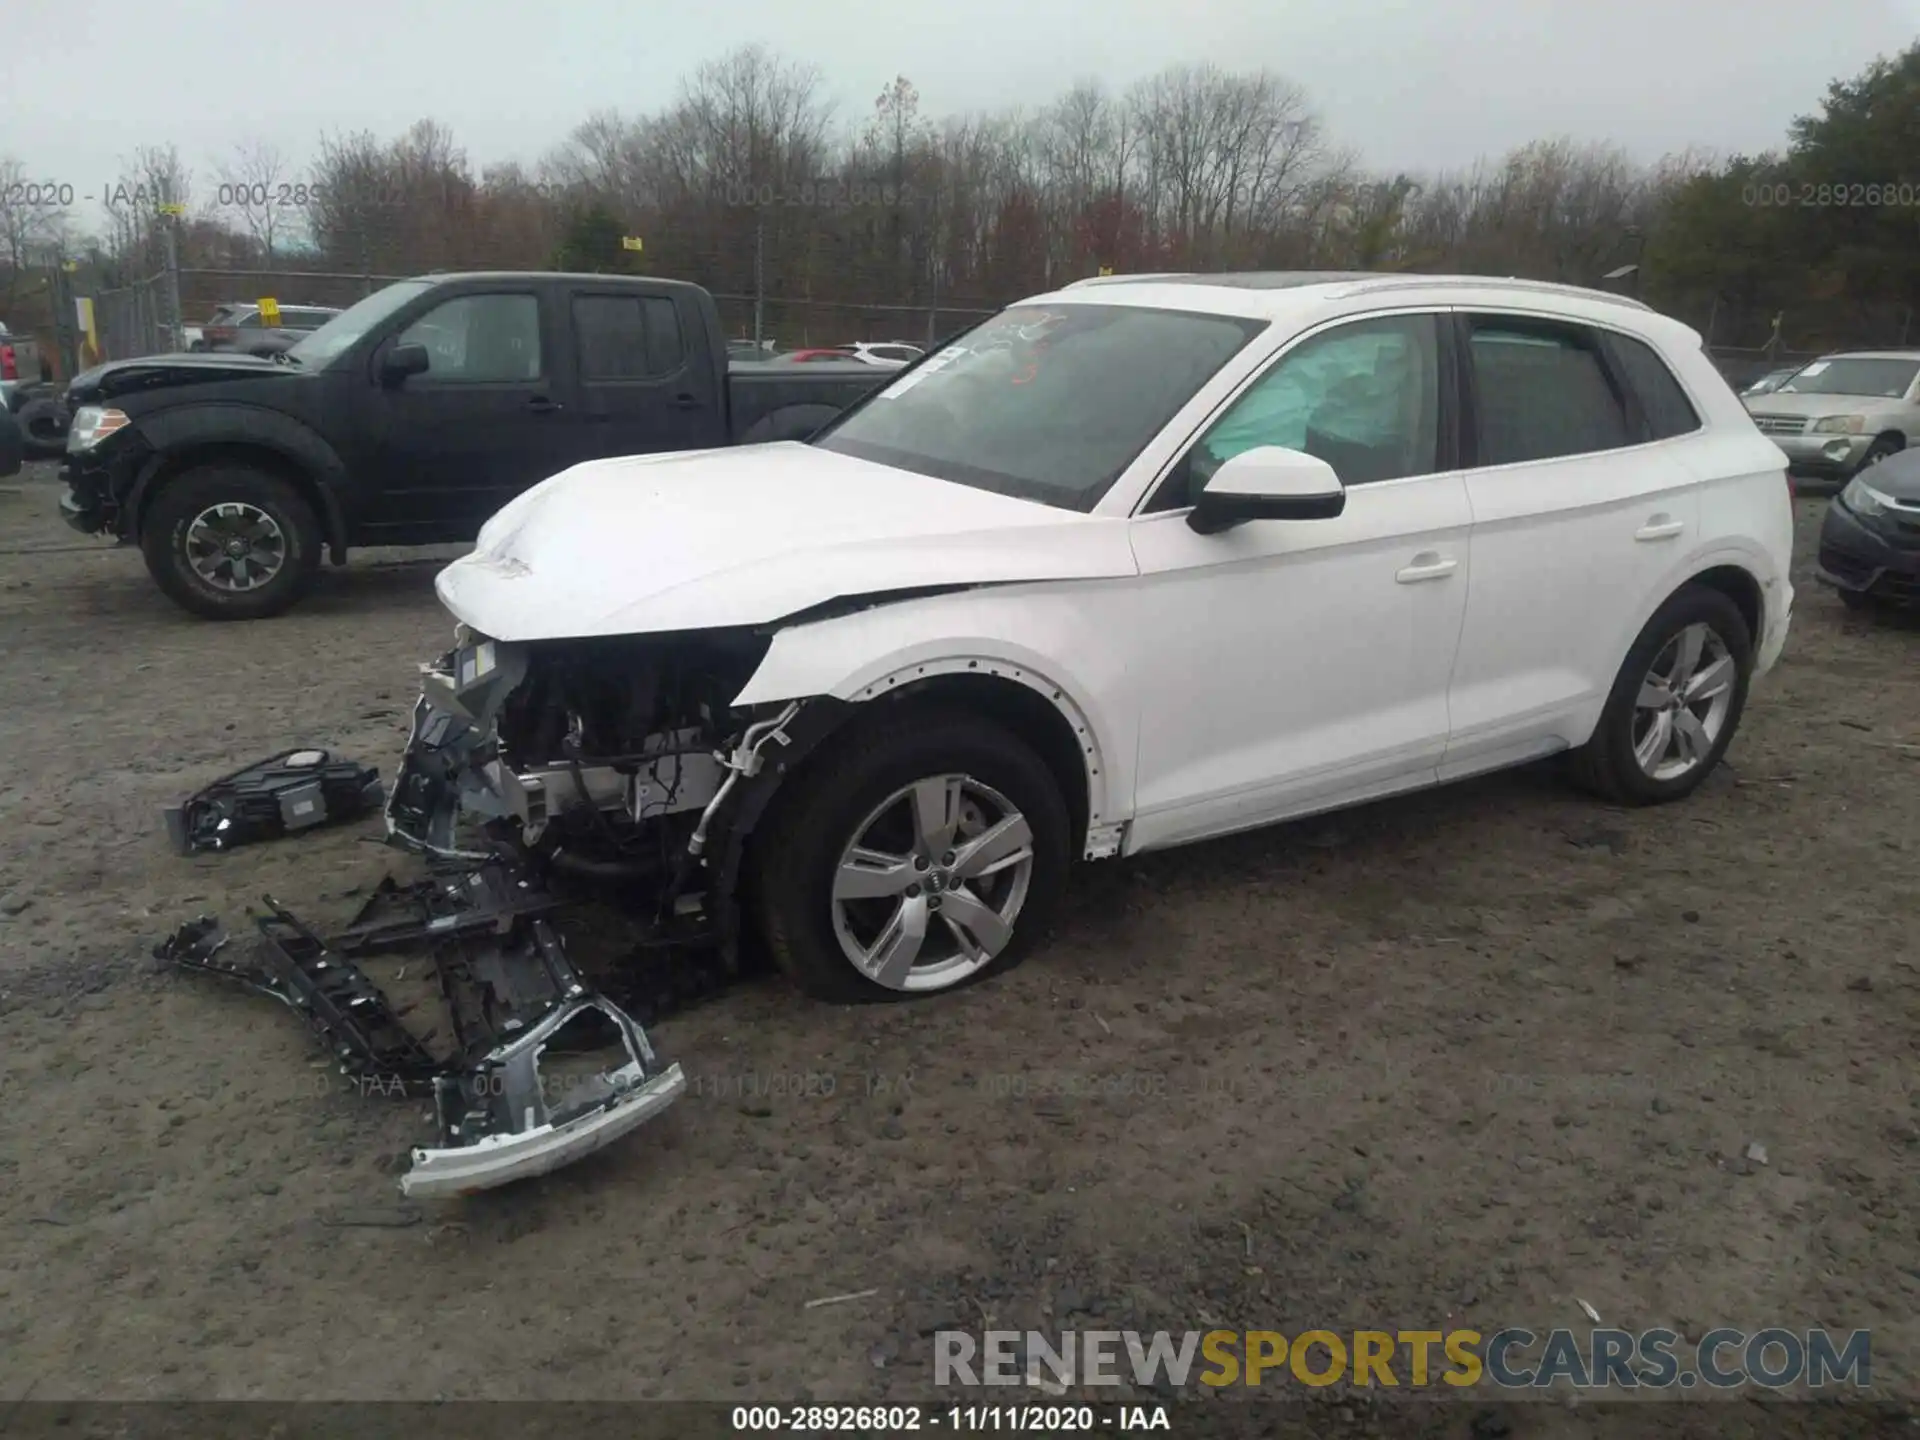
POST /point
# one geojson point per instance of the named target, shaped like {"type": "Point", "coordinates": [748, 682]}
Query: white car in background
{"type": "Point", "coordinates": [1133, 564]}
{"type": "Point", "coordinates": [893, 354]}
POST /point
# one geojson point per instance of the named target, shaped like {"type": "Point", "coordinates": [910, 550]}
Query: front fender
{"type": "Point", "coordinates": [869, 653]}
{"type": "Point", "coordinates": [175, 433]}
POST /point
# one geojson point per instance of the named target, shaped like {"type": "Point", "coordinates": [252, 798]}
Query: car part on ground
{"type": "Point", "coordinates": [508, 1103]}
{"type": "Point", "coordinates": [1870, 537]}
{"type": "Point", "coordinates": [292, 791]}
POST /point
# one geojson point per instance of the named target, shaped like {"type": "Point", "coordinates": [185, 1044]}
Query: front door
{"type": "Point", "coordinates": [481, 425]}
{"type": "Point", "coordinates": [1290, 666]}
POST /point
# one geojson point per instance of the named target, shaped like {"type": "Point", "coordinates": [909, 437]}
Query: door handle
{"type": "Point", "coordinates": [685, 400]}
{"type": "Point", "coordinates": [1427, 565]}
{"type": "Point", "coordinates": [1660, 527]}
{"type": "Point", "coordinates": [541, 405]}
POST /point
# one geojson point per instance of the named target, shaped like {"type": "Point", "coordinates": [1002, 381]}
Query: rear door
{"type": "Point", "coordinates": [482, 424]}
{"type": "Point", "coordinates": [645, 381]}
{"type": "Point", "coordinates": [1581, 510]}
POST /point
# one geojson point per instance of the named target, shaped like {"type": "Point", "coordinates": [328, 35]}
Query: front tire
{"type": "Point", "coordinates": [923, 852]}
{"type": "Point", "coordinates": [1880, 449]}
{"type": "Point", "coordinates": [1675, 705]}
{"type": "Point", "coordinates": [227, 542]}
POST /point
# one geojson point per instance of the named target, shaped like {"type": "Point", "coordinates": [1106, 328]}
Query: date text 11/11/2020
{"type": "Point", "coordinates": [904, 1419]}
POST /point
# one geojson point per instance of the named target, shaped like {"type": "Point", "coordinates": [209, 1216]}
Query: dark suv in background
{"type": "Point", "coordinates": [236, 329]}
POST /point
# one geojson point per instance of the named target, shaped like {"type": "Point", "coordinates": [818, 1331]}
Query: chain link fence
{"type": "Point", "coordinates": [138, 319]}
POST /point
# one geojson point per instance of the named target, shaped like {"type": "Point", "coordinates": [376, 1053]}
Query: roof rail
{"type": "Point", "coordinates": [1124, 279]}
{"type": "Point", "coordinates": [1546, 287]}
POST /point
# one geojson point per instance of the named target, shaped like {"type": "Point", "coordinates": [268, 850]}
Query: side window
{"type": "Point", "coordinates": [1543, 392]}
{"type": "Point", "coordinates": [1663, 404]}
{"type": "Point", "coordinates": [665, 352]}
{"type": "Point", "coordinates": [480, 339]}
{"type": "Point", "coordinates": [1364, 397]}
{"type": "Point", "coordinates": [626, 337]}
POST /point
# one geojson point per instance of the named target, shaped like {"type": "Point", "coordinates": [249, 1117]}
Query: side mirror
{"type": "Point", "coordinates": [1268, 482]}
{"type": "Point", "coordinates": [402, 361]}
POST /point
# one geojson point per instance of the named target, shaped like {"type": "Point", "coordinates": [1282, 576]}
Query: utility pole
{"type": "Point", "coordinates": [169, 225]}
{"type": "Point", "coordinates": [759, 278]}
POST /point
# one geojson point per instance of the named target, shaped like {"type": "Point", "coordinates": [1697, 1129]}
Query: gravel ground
{"type": "Point", "coordinates": [1469, 1058]}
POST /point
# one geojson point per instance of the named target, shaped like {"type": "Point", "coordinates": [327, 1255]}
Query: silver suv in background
{"type": "Point", "coordinates": [1844, 412]}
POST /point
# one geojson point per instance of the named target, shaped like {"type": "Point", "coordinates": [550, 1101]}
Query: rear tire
{"type": "Point", "coordinates": [978, 918]}
{"type": "Point", "coordinates": [1644, 753]}
{"type": "Point", "coordinates": [227, 542]}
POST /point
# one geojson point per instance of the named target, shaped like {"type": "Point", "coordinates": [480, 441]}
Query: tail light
{"type": "Point", "coordinates": [219, 332]}
{"type": "Point", "coordinates": [9, 368]}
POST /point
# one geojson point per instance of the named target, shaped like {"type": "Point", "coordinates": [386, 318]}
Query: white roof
{"type": "Point", "coordinates": [1306, 296]}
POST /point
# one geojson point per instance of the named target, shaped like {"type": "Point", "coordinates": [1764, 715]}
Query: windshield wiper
{"type": "Point", "coordinates": [285, 357]}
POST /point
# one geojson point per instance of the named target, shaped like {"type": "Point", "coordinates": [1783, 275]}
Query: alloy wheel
{"type": "Point", "coordinates": [1683, 703]}
{"type": "Point", "coordinates": [235, 546]}
{"type": "Point", "coordinates": [927, 891]}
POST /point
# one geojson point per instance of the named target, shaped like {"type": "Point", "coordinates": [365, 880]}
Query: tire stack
{"type": "Point", "coordinates": [43, 419]}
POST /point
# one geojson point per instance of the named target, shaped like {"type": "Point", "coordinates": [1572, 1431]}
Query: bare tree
{"type": "Point", "coordinates": [255, 188]}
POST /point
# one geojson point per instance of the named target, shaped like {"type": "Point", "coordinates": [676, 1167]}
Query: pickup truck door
{"type": "Point", "coordinates": [451, 446]}
{"type": "Point", "coordinates": [645, 371]}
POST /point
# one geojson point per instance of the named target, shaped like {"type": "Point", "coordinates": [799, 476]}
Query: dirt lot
{"type": "Point", "coordinates": [1469, 1058]}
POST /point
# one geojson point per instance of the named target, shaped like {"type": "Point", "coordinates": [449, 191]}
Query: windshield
{"type": "Point", "coordinates": [1888, 378]}
{"type": "Point", "coordinates": [1046, 403]}
{"type": "Point", "coordinates": [341, 332]}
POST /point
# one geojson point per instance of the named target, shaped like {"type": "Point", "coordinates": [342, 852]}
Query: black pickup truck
{"type": "Point", "coordinates": [408, 420]}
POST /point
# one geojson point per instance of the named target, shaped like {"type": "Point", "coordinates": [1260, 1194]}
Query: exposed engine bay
{"type": "Point", "coordinates": [615, 761]}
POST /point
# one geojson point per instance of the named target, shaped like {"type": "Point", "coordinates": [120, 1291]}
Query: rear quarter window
{"type": "Point", "coordinates": [1664, 407]}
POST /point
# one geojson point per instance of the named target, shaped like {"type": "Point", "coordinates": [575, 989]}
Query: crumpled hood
{"type": "Point", "coordinates": [153, 372]}
{"type": "Point", "coordinates": [748, 535]}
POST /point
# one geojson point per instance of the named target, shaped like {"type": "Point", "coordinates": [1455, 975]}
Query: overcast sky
{"type": "Point", "coordinates": [1415, 86]}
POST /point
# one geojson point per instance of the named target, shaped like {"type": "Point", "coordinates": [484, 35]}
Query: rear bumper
{"type": "Point", "coordinates": [1862, 560]}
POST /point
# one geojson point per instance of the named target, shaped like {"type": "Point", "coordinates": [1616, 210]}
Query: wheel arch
{"type": "Point", "coordinates": [1016, 690]}
{"type": "Point", "coordinates": [243, 435]}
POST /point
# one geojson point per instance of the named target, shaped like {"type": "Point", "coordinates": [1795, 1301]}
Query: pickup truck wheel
{"type": "Point", "coordinates": [231, 543]}
{"type": "Point", "coordinates": [1675, 704]}
{"type": "Point", "coordinates": [922, 852]}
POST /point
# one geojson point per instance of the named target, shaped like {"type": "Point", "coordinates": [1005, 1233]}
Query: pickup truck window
{"type": "Point", "coordinates": [480, 339]}
{"type": "Point", "coordinates": [1047, 403]}
{"type": "Point", "coordinates": [626, 337]}
{"type": "Point", "coordinates": [345, 330]}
